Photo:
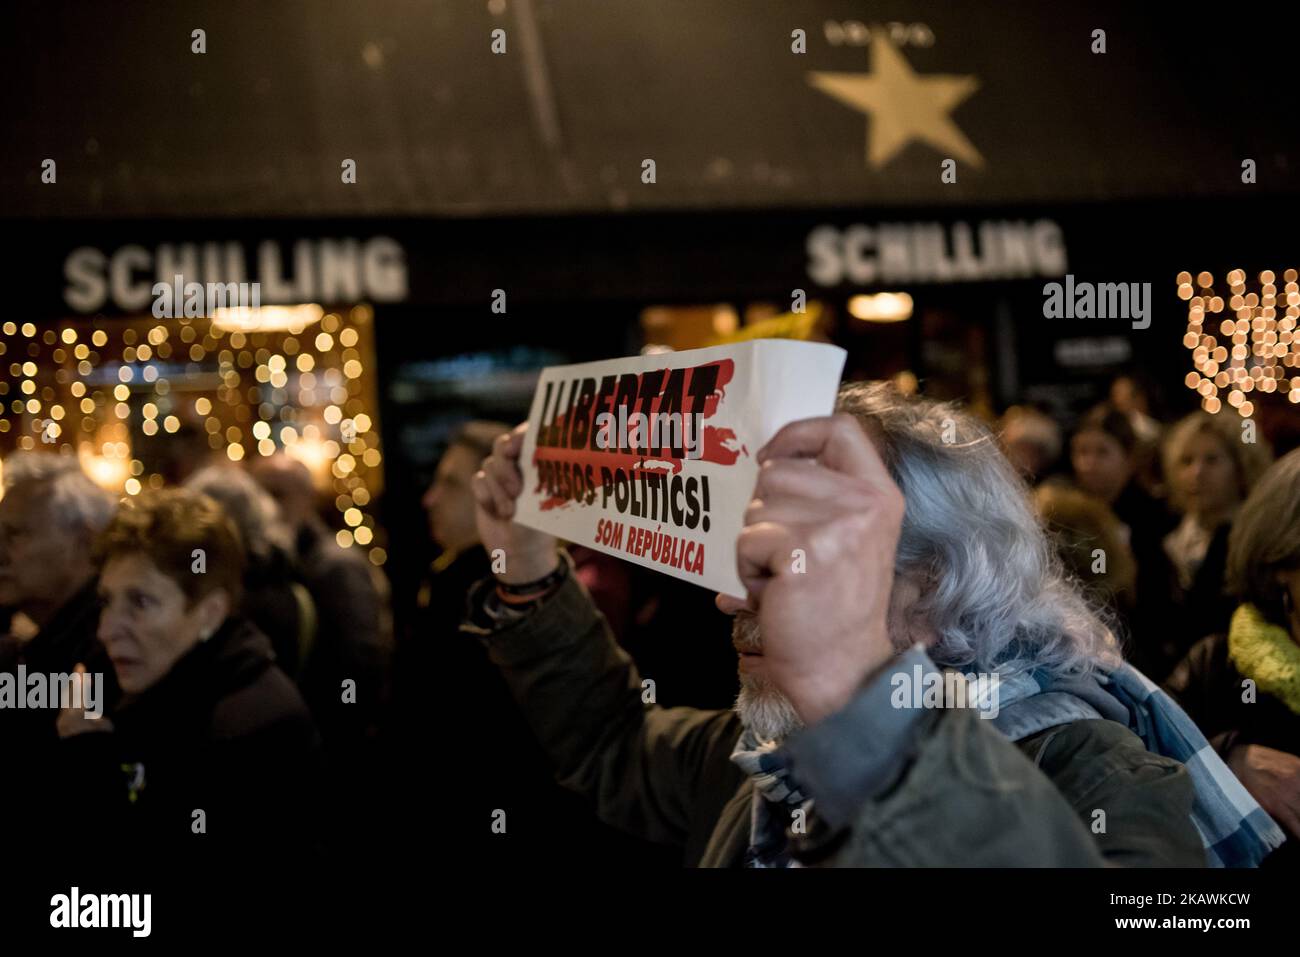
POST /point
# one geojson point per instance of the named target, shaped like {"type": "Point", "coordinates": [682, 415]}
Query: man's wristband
{"type": "Point", "coordinates": [502, 608]}
{"type": "Point", "coordinates": [534, 589]}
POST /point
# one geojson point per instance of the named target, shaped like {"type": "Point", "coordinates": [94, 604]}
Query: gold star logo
{"type": "Point", "coordinates": [903, 106]}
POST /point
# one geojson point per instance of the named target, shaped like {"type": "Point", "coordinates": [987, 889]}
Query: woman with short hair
{"type": "Point", "coordinates": [1104, 454]}
{"type": "Point", "coordinates": [212, 759]}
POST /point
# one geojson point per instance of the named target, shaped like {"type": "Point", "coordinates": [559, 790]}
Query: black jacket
{"type": "Point", "coordinates": [224, 732]}
{"type": "Point", "coordinates": [69, 637]}
{"type": "Point", "coordinates": [1173, 619]}
{"type": "Point", "coordinates": [28, 741]}
{"type": "Point", "coordinates": [1209, 687]}
{"type": "Point", "coordinates": [280, 607]}
{"type": "Point", "coordinates": [960, 795]}
{"type": "Point", "coordinates": [500, 764]}
{"type": "Point", "coordinates": [353, 641]}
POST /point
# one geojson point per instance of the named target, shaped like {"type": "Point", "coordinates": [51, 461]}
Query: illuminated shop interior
{"type": "Point", "coordinates": [142, 401]}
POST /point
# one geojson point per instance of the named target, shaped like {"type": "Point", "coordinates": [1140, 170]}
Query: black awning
{"type": "Point", "coordinates": [261, 123]}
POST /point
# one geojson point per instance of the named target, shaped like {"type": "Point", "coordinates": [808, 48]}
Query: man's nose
{"type": "Point", "coordinates": [730, 606]}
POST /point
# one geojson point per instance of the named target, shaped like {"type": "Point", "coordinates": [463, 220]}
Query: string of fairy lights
{"type": "Point", "coordinates": [1256, 349]}
{"type": "Point", "coordinates": [124, 395]}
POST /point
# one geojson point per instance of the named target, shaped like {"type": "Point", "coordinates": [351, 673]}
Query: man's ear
{"type": "Point", "coordinates": [908, 622]}
{"type": "Point", "coordinates": [212, 609]}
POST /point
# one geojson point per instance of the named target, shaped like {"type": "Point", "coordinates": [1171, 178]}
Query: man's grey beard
{"type": "Point", "coordinates": [762, 708]}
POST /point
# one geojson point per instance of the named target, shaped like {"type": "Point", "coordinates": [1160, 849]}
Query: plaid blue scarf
{"type": "Point", "coordinates": [1235, 830]}
{"type": "Point", "coordinates": [776, 795]}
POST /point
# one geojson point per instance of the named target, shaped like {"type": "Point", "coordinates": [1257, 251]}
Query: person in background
{"type": "Point", "coordinates": [1129, 397]}
{"type": "Point", "coordinates": [186, 450]}
{"type": "Point", "coordinates": [1091, 544]}
{"type": "Point", "coordinates": [543, 818]}
{"type": "Point", "coordinates": [49, 517]}
{"type": "Point", "coordinates": [21, 467]}
{"type": "Point", "coordinates": [1103, 458]}
{"type": "Point", "coordinates": [1242, 685]}
{"type": "Point", "coordinates": [211, 765]}
{"type": "Point", "coordinates": [1031, 440]}
{"type": "Point", "coordinates": [274, 600]}
{"type": "Point", "coordinates": [353, 621]}
{"type": "Point", "coordinates": [346, 675]}
{"type": "Point", "coordinates": [1209, 470]}
{"type": "Point", "coordinates": [449, 507]}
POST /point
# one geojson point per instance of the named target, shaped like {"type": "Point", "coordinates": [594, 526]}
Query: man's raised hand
{"type": "Point", "coordinates": [529, 555]}
{"type": "Point", "coordinates": [817, 558]}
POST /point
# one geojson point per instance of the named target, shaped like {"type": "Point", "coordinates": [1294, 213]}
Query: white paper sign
{"type": "Point", "coordinates": [651, 458]}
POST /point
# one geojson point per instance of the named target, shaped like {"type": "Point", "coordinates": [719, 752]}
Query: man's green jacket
{"type": "Point", "coordinates": [891, 787]}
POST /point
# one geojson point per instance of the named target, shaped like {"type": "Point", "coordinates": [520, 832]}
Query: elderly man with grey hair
{"type": "Point", "coordinates": [50, 515]}
{"type": "Point", "coordinates": [852, 743]}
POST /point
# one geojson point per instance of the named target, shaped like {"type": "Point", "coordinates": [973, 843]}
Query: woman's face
{"type": "Point", "coordinates": [1205, 477]}
{"type": "Point", "coordinates": [1101, 465]}
{"type": "Point", "coordinates": [146, 623]}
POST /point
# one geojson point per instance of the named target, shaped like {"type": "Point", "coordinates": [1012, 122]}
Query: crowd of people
{"type": "Point", "coordinates": [1142, 514]}
{"type": "Point", "coordinates": [254, 701]}
{"type": "Point", "coordinates": [238, 659]}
